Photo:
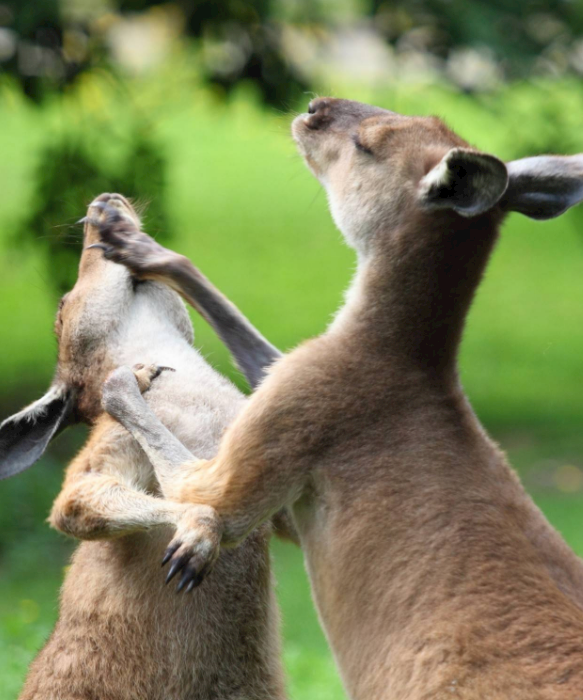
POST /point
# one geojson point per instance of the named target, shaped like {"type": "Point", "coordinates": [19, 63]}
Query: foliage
{"type": "Point", "coordinates": [520, 33]}
{"type": "Point", "coordinates": [70, 172]}
{"type": "Point", "coordinates": [28, 607]}
{"type": "Point", "coordinates": [246, 210]}
{"type": "Point", "coordinates": [225, 178]}
{"type": "Point", "coordinates": [48, 45]}
{"type": "Point", "coordinates": [57, 40]}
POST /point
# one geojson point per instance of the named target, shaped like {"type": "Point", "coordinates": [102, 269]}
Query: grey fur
{"type": "Point", "coordinates": [543, 187]}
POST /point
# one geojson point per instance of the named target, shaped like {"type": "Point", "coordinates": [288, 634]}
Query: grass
{"type": "Point", "coordinates": [246, 210]}
{"type": "Point", "coordinates": [31, 573]}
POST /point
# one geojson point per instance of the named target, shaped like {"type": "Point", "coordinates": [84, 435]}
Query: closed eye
{"type": "Point", "coordinates": [62, 301]}
{"type": "Point", "coordinates": [59, 319]}
{"type": "Point", "coordinates": [360, 146]}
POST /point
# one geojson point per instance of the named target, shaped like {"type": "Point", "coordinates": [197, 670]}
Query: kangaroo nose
{"type": "Point", "coordinates": [318, 105]}
{"type": "Point", "coordinates": [319, 115]}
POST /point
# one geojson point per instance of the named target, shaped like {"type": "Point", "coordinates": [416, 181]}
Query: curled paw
{"type": "Point", "coordinates": [119, 389]}
{"type": "Point", "coordinates": [121, 239]}
{"type": "Point", "coordinates": [146, 374]}
{"type": "Point", "coordinates": [123, 387]}
{"type": "Point", "coordinates": [194, 549]}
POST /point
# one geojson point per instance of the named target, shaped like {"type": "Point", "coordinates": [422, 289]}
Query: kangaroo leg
{"type": "Point", "coordinates": [123, 242]}
{"type": "Point", "coordinates": [241, 505]}
{"type": "Point", "coordinates": [122, 399]}
{"type": "Point", "coordinates": [100, 500]}
{"type": "Point", "coordinates": [195, 551]}
{"type": "Point", "coordinates": [95, 506]}
{"type": "Point", "coordinates": [100, 507]}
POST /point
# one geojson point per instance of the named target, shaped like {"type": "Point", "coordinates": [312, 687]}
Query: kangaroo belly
{"type": "Point", "coordinates": [122, 635]}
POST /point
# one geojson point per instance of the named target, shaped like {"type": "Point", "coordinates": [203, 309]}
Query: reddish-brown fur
{"type": "Point", "coordinates": [121, 633]}
{"type": "Point", "coordinates": [434, 574]}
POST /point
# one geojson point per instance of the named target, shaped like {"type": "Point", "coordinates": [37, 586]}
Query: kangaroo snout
{"type": "Point", "coordinates": [329, 128]}
{"type": "Point", "coordinates": [109, 201]}
{"type": "Point", "coordinates": [324, 111]}
{"type": "Point", "coordinates": [320, 113]}
{"type": "Point", "coordinates": [110, 198]}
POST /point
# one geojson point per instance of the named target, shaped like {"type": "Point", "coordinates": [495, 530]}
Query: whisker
{"type": "Point", "coordinates": [311, 204]}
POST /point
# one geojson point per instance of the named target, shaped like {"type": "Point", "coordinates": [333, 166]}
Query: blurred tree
{"type": "Point", "coordinates": [525, 36]}
{"type": "Point", "coordinates": [47, 44]}
{"type": "Point", "coordinates": [241, 41]}
{"type": "Point", "coordinates": [31, 45]}
{"type": "Point", "coordinates": [70, 174]}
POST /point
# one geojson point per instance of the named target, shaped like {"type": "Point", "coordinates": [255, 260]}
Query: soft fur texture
{"type": "Point", "coordinates": [434, 574]}
{"type": "Point", "coordinates": [122, 634]}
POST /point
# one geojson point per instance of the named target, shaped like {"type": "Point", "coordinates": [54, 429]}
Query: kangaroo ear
{"type": "Point", "coordinates": [469, 182]}
{"type": "Point", "coordinates": [544, 186]}
{"type": "Point", "coordinates": [25, 435]}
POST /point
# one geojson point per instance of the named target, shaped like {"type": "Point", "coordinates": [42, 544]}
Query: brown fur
{"type": "Point", "coordinates": [122, 634]}
{"type": "Point", "coordinates": [434, 574]}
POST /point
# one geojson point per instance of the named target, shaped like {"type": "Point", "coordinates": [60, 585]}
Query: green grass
{"type": "Point", "coordinates": [31, 573]}
{"type": "Point", "coordinates": [249, 214]}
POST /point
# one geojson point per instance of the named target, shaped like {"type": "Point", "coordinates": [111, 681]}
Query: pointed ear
{"type": "Point", "coordinates": [25, 435]}
{"type": "Point", "coordinates": [469, 182]}
{"type": "Point", "coordinates": [544, 186]}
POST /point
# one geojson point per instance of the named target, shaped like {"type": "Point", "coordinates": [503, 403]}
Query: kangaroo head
{"type": "Point", "coordinates": [107, 319]}
{"type": "Point", "coordinates": [381, 170]}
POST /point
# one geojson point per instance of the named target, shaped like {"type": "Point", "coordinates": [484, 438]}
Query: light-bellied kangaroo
{"type": "Point", "coordinates": [121, 634]}
{"type": "Point", "coordinates": [434, 574]}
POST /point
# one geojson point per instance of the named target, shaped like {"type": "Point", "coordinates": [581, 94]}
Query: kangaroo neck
{"type": "Point", "coordinates": [412, 292]}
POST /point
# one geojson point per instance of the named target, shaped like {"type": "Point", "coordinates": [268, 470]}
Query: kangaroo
{"type": "Point", "coordinates": [120, 634]}
{"type": "Point", "coordinates": [434, 574]}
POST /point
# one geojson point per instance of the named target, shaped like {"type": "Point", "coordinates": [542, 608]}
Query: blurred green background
{"type": "Point", "coordinates": [186, 107]}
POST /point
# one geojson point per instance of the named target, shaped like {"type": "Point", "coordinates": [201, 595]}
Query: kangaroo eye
{"type": "Point", "coordinates": [59, 318]}
{"type": "Point", "coordinates": [62, 301]}
{"type": "Point", "coordinates": [360, 146]}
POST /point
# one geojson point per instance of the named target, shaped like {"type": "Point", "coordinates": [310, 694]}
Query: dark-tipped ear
{"type": "Point", "coordinates": [469, 182]}
{"type": "Point", "coordinates": [25, 435]}
{"type": "Point", "coordinates": [544, 186]}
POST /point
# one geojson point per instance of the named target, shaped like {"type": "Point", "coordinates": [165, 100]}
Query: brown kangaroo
{"type": "Point", "coordinates": [434, 574]}
{"type": "Point", "coordinates": [121, 635]}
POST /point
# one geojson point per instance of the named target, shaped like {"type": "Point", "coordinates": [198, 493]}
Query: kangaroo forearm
{"type": "Point", "coordinates": [101, 507]}
{"type": "Point", "coordinates": [244, 490]}
{"type": "Point", "coordinates": [168, 456]}
{"type": "Point", "coordinates": [148, 260]}
{"type": "Point", "coordinates": [176, 468]}
{"type": "Point", "coordinates": [243, 496]}
{"type": "Point", "coordinates": [251, 351]}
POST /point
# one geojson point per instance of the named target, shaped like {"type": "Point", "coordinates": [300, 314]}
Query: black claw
{"type": "Point", "coordinates": [174, 569]}
{"type": "Point", "coordinates": [99, 246]}
{"type": "Point", "coordinates": [186, 577]}
{"type": "Point", "coordinates": [195, 583]}
{"type": "Point", "coordinates": [168, 553]}
{"type": "Point", "coordinates": [116, 240]}
{"type": "Point", "coordinates": [159, 371]}
{"type": "Point", "coordinates": [113, 215]}
{"type": "Point", "coordinates": [190, 579]}
{"type": "Point", "coordinates": [176, 565]}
